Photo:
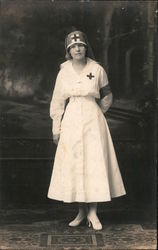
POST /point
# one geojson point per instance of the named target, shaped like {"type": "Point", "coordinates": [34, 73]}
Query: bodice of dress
{"type": "Point", "coordinates": [83, 84]}
{"type": "Point", "coordinates": [91, 82]}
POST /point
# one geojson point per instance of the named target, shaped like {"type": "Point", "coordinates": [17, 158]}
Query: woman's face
{"type": "Point", "coordinates": [78, 51]}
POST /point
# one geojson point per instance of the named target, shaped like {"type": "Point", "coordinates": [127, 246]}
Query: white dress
{"type": "Point", "coordinates": [85, 166]}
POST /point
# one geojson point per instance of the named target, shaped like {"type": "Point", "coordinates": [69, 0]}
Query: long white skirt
{"type": "Point", "coordinates": [85, 167]}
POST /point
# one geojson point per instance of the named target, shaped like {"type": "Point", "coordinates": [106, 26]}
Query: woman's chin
{"type": "Point", "coordinates": [79, 57]}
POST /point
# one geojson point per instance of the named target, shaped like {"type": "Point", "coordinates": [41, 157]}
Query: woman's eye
{"type": "Point", "coordinates": [72, 47]}
{"type": "Point", "coordinates": [78, 45]}
{"type": "Point", "coordinates": [81, 45]}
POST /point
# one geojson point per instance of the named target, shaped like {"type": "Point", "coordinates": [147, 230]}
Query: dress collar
{"type": "Point", "coordinates": [84, 68]}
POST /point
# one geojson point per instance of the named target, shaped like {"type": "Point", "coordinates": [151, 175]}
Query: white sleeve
{"type": "Point", "coordinates": [105, 91]}
{"type": "Point", "coordinates": [57, 105]}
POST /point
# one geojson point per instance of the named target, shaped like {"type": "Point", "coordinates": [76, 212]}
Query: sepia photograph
{"type": "Point", "coordinates": [78, 124]}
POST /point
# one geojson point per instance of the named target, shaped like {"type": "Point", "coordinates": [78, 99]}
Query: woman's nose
{"type": "Point", "coordinates": [77, 48]}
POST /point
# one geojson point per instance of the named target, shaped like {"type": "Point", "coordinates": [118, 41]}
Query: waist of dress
{"type": "Point", "coordinates": [81, 98]}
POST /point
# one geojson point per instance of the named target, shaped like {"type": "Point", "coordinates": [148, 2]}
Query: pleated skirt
{"type": "Point", "coordinates": [85, 167]}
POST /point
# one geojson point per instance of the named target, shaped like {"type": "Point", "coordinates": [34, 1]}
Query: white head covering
{"type": "Point", "coordinates": [77, 37]}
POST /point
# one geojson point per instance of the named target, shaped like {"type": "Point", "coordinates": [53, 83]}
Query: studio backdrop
{"type": "Point", "coordinates": [122, 36]}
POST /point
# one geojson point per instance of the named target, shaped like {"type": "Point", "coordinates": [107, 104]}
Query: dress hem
{"type": "Point", "coordinates": [89, 201]}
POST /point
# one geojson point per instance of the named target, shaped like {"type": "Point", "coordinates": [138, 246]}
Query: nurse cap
{"type": "Point", "coordinates": [75, 37]}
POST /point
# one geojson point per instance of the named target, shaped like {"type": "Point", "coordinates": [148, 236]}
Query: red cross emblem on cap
{"type": "Point", "coordinates": [75, 38]}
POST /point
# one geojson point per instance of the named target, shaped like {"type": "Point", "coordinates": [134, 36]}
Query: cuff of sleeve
{"type": "Point", "coordinates": [106, 102]}
{"type": "Point", "coordinates": [56, 128]}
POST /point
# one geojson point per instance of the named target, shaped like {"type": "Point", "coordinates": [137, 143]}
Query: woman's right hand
{"type": "Point", "coordinates": [56, 138]}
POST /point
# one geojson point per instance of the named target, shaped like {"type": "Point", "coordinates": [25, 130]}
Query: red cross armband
{"type": "Point", "coordinates": [104, 91]}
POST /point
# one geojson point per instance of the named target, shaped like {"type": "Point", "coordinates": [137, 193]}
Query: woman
{"type": "Point", "coordinates": [85, 167]}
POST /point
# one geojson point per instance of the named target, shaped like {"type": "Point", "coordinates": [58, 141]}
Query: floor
{"type": "Point", "coordinates": [41, 230]}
